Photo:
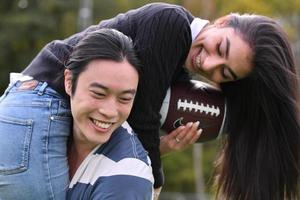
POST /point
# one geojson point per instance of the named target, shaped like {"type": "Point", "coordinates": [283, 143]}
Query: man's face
{"type": "Point", "coordinates": [102, 100]}
{"type": "Point", "coordinates": [219, 54]}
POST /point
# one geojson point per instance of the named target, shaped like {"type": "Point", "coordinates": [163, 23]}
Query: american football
{"type": "Point", "coordinates": [191, 101]}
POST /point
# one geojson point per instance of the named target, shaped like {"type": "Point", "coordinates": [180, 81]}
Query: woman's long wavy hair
{"type": "Point", "coordinates": [261, 153]}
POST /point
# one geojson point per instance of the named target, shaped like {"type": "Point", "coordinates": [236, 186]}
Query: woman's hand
{"type": "Point", "coordinates": [157, 193]}
{"type": "Point", "coordinates": [180, 139]}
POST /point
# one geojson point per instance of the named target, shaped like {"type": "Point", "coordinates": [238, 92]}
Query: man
{"type": "Point", "coordinates": [106, 159]}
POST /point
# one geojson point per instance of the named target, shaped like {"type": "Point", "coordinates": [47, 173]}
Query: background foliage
{"type": "Point", "coordinates": [27, 25]}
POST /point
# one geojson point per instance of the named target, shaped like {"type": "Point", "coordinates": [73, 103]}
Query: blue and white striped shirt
{"type": "Point", "coordinates": [117, 170]}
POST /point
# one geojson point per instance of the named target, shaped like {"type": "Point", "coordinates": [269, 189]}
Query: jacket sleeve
{"type": "Point", "coordinates": [162, 41]}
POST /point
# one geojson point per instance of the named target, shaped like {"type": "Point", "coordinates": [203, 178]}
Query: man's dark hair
{"type": "Point", "coordinates": [107, 44]}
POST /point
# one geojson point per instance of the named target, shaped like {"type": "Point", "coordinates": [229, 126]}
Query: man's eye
{"type": "Point", "coordinates": [126, 100]}
{"type": "Point", "coordinates": [98, 94]}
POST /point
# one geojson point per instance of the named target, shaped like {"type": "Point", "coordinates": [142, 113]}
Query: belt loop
{"type": "Point", "coordinates": [42, 88]}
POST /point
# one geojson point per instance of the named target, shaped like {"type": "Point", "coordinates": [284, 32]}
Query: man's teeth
{"type": "Point", "coordinates": [101, 124]}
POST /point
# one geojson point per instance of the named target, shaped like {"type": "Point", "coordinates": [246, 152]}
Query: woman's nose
{"type": "Point", "coordinates": [211, 63]}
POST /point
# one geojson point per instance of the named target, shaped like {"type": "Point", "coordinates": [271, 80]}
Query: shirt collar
{"type": "Point", "coordinates": [197, 25]}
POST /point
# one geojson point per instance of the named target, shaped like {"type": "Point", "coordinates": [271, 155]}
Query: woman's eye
{"type": "Point", "coordinates": [219, 49]}
{"type": "Point", "coordinates": [224, 72]}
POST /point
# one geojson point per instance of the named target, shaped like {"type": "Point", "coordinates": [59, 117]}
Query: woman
{"type": "Point", "coordinates": [166, 38]}
{"type": "Point", "coordinates": [260, 156]}
{"type": "Point", "coordinates": [260, 159]}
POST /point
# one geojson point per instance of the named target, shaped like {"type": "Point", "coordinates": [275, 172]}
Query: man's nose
{"type": "Point", "coordinates": [109, 108]}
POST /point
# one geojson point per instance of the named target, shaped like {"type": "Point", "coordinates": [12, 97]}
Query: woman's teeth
{"type": "Point", "coordinates": [102, 124]}
{"type": "Point", "coordinates": [198, 58]}
{"type": "Point", "coordinates": [198, 61]}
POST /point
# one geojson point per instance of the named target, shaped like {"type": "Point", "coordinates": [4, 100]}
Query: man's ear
{"type": "Point", "coordinates": [68, 81]}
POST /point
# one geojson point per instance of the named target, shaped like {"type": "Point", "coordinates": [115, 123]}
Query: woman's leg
{"type": "Point", "coordinates": [34, 127]}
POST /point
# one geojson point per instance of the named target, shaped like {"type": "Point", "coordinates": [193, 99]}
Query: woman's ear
{"type": "Point", "coordinates": [68, 81]}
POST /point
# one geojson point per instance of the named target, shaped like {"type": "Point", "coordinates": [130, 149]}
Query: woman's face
{"type": "Point", "coordinates": [219, 54]}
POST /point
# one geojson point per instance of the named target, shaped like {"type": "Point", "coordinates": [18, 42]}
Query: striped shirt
{"type": "Point", "coordinates": [120, 169]}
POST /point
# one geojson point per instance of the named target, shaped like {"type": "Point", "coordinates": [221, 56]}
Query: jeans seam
{"type": "Point", "coordinates": [46, 143]}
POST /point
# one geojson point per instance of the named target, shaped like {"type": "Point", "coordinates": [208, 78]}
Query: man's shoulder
{"type": "Point", "coordinates": [113, 187]}
{"type": "Point", "coordinates": [124, 143]}
{"type": "Point", "coordinates": [121, 162]}
{"type": "Point", "coordinates": [122, 155]}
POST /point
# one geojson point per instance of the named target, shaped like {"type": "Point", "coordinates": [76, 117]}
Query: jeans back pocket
{"type": "Point", "coordinates": [15, 138]}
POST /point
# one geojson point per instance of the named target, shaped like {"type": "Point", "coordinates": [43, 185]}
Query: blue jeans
{"type": "Point", "coordinates": [35, 124]}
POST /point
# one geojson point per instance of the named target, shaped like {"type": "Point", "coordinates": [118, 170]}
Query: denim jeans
{"type": "Point", "coordinates": [35, 123]}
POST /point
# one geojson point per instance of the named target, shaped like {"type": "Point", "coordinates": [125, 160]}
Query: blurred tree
{"type": "Point", "coordinates": [179, 172]}
{"type": "Point", "coordinates": [105, 9]}
{"type": "Point", "coordinates": [26, 26]}
{"type": "Point", "coordinates": [264, 7]}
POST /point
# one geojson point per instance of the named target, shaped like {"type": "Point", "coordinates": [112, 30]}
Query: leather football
{"type": "Point", "coordinates": [191, 101]}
